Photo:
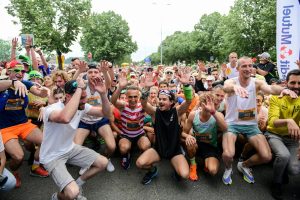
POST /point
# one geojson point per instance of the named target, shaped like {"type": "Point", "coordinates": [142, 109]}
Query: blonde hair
{"type": "Point", "coordinates": [64, 75]}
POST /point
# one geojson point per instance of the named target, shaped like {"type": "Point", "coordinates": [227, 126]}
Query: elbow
{"type": "Point", "coordinates": [64, 119]}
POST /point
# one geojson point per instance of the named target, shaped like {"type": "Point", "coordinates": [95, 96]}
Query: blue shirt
{"type": "Point", "coordinates": [12, 107]}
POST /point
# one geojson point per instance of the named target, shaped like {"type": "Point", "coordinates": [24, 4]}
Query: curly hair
{"type": "Point", "coordinates": [62, 74]}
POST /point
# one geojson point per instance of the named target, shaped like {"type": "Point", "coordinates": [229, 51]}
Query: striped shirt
{"type": "Point", "coordinates": [132, 121]}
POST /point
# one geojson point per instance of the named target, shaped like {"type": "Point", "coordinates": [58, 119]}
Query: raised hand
{"type": "Point", "coordinates": [82, 66]}
{"type": "Point", "coordinates": [201, 65]}
{"type": "Point", "coordinates": [122, 79]}
{"type": "Point", "coordinates": [28, 42]}
{"type": "Point", "coordinates": [298, 63]}
{"type": "Point", "coordinates": [103, 66]}
{"type": "Point", "coordinates": [39, 51]}
{"type": "Point", "coordinates": [149, 79]}
{"type": "Point", "coordinates": [99, 85]}
{"type": "Point", "coordinates": [184, 75]}
{"type": "Point", "coordinates": [80, 82]}
{"type": "Point", "coordinates": [209, 106]}
{"type": "Point", "coordinates": [14, 43]}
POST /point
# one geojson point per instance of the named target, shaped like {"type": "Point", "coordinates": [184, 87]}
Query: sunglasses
{"type": "Point", "coordinates": [169, 72]}
{"type": "Point", "coordinates": [149, 69]}
{"type": "Point", "coordinates": [18, 70]}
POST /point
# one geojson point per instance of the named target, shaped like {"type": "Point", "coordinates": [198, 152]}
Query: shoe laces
{"type": "Point", "coordinates": [227, 172]}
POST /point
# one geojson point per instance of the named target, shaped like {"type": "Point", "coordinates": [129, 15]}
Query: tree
{"type": "Point", "coordinates": [250, 27]}
{"type": "Point", "coordinates": [106, 35]}
{"type": "Point", "coordinates": [55, 24]}
{"type": "Point", "coordinates": [4, 50]}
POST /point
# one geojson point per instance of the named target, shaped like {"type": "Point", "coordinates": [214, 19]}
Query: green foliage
{"type": "Point", "coordinates": [4, 50]}
{"type": "Point", "coordinates": [55, 24]}
{"type": "Point", "coordinates": [249, 29]}
{"type": "Point", "coordinates": [106, 35]}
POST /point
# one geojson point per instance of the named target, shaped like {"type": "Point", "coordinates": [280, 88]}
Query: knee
{"type": "Point", "coordinates": [140, 163]}
{"type": "Point", "coordinates": [184, 174]}
{"type": "Point", "coordinates": [124, 148]}
{"type": "Point", "coordinates": [227, 155]}
{"type": "Point", "coordinates": [145, 146]}
{"type": "Point", "coordinates": [18, 156]}
{"type": "Point", "coordinates": [101, 162]}
{"type": "Point", "coordinates": [266, 157]}
{"type": "Point", "coordinates": [212, 170]}
{"type": "Point", "coordinates": [73, 192]}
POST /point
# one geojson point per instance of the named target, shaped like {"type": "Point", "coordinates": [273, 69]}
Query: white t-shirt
{"type": "Point", "coordinates": [230, 72]}
{"type": "Point", "coordinates": [58, 138]}
{"type": "Point", "coordinates": [94, 100]}
{"type": "Point", "coordinates": [1, 143]}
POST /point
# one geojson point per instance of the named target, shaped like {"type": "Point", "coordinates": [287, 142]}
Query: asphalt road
{"type": "Point", "coordinates": [125, 184]}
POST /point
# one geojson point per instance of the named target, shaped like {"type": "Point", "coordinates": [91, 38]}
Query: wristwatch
{"type": "Point", "coordinates": [13, 82]}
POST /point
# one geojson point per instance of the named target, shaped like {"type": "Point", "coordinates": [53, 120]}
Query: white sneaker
{"type": "Point", "coordinates": [110, 167]}
{"type": "Point", "coordinates": [227, 176]}
{"type": "Point", "coordinates": [247, 172]}
{"type": "Point", "coordinates": [83, 170]}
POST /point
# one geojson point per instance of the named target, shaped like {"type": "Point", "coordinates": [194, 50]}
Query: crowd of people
{"type": "Point", "coordinates": [179, 113]}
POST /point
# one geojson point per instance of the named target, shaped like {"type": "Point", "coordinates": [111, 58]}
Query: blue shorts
{"type": "Point", "coordinates": [247, 130]}
{"type": "Point", "coordinates": [94, 127]}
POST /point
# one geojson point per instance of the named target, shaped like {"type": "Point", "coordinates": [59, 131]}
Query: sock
{"type": "Point", "coordinates": [193, 161]}
{"type": "Point", "coordinates": [35, 165]}
{"type": "Point", "coordinates": [80, 182]}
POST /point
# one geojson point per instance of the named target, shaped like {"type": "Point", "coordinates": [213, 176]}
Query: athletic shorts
{"type": "Point", "coordinates": [206, 150]}
{"type": "Point", "coordinates": [94, 127]}
{"type": "Point", "coordinates": [78, 156]}
{"type": "Point", "coordinates": [20, 130]}
{"type": "Point", "coordinates": [247, 130]}
{"type": "Point", "coordinates": [133, 140]}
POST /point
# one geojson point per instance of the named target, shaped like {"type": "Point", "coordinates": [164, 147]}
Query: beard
{"type": "Point", "coordinates": [296, 90]}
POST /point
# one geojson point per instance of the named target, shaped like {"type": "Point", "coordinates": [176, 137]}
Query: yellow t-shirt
{"type": "Point", "coordinates": [283, 108]}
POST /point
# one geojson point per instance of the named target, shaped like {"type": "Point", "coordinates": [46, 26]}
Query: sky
{"type": "Point", "coordinates": [149, 21]}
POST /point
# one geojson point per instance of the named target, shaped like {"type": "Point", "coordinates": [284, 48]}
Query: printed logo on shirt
{"type": "Point", "coordinates": [94, 101]}
{"type": "Point", "coordinates": [247, 114]}
{"type": "Point", "coordinates": [133, 125]}
{"type": "Point", "coordinates": [14, 104]}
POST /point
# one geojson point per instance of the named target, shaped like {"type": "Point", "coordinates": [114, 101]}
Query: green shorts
{"type": "Point", "coordinates": [247, 130]}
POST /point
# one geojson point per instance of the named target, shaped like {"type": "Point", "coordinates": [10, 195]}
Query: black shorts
{"type": "Point", "coordinates": [207, 150]}
{"type": "Point", "coordinates": [132, 140]}
{"type": "Point", "coordinates": [95, 126]}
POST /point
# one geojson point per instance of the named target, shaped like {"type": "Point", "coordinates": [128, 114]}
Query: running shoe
{"type": "Point", "coordinates": [18, 179]}
{"type": "Point", "coordinates": [150, 175]}
{"type": "Point", "coordinates": [39, 172]}
{"type": "Point", "coordinates": [125, 162]}
{"type": "Point", "coordinates": [227, 176]}
{"type": "Point", "coordinates": [247, 172]}
{"type": "Point", "coordinates": [110, 167]}
{"type": "Point", "coordinates": [193, 173]}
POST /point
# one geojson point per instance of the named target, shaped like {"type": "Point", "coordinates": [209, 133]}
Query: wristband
{"type": "Point", "coordinates": [13, 82]}
{"type": "Point", "coordinates": [188, 92]}
{"type": "Point", "coordinates": [145, 94]}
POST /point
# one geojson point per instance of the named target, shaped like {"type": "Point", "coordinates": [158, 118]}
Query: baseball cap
{"type": "Point", "coordinates": [264, 55]}
{"type": "Point", "coordinates": [35, 74]}
{"type": "Point", "coordinates": [70, 87]}
{"type": "Point", "coordinates": [13, 64]}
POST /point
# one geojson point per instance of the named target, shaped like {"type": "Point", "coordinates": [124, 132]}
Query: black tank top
{"type": "Point", "coordinates": [167, 132]}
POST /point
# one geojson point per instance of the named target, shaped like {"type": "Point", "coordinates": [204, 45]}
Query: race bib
{"type": "Point", "coordinates": [94, 101]}
{"type": "Point", "coordinates": [14, 104]}
{"type": "Point", "coordinates": [245, 115]}
{"type": "Point", "coordinates": [203, 137]}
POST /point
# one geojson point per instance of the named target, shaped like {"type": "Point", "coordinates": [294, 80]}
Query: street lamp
{"type": "Point", "coordinates": [161, 41]}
